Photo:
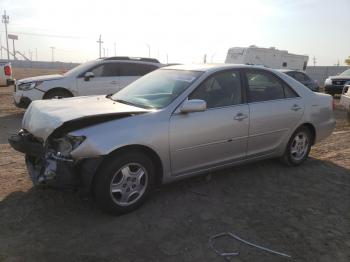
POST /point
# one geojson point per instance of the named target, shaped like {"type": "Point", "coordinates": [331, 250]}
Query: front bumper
{"type": "Point", "coordinates": [47, 167]}
{"type": "Point", "coordinates": [21, 101]}
{"type": "Point", "coordinates": [333, 89]}
{"type": "Point", "coordinates": [23, 98]}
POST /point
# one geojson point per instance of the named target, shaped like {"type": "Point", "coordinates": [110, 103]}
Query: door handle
{"type": "Point", "coordinates": [240, 117]}
{"type": "Point", "coordinates": [295, 107]}
{"type": "Point", "coordinates": [114, 82]}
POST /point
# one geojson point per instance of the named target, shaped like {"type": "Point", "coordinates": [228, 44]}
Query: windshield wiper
{"type": "Point", "coordinates": [124, 102]}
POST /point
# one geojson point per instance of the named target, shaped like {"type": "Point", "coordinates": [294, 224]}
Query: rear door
{"type": "Point", "coordinates": [217, 136]}
{"type": "Point", "coordinates": [275, 108]}
{"type": "Point", "coordinates": [130, 71]}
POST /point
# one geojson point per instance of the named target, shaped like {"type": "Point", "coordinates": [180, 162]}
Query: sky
{"type": "Point", "coordinates": [180, 31]}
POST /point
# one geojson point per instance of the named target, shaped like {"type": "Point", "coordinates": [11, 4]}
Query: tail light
{"type": "Point", "coordinates": [7, 70]}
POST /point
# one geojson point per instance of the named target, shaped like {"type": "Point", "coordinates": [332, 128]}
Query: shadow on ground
{"type": "Point", "coordinates": [9, 124]}
{"type": "Point", "coordinates": [302, 211]}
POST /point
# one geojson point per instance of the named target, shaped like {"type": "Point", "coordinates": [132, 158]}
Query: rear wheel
{"type": "Point", "coordinates": [298, 147]}
{"type": "Point", "coordinates": [58, 93]}
{"type": "Point", "coordinates": [124, 182]}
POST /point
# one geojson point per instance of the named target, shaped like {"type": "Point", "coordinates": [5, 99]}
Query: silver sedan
{"type": "Point", "coordinates": [173, 123]}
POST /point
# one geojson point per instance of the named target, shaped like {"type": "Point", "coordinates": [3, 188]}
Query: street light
{"type": "Point", "coordinates": [149, 50]}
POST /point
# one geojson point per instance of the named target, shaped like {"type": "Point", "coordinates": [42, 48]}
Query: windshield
{"type": "Point", "coordinates": [79, 68]}
{"type": "Point", "coordinates": [157, 89]}
{"type": "Point", "coordinates": [345, 73]}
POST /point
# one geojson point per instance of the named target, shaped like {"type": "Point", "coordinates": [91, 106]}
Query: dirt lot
{"type": "Point", "coordinates": [303, 211]}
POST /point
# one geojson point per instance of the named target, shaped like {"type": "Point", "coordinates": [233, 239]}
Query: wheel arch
{"type": "Point", "coordinates": [57, 89]}
{"type": "Point", "coordinates": [138, 148]}
{"type": "Point", "coordinates": [312, 130]}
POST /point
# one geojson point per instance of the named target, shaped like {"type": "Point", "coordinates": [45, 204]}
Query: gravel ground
{"type": "Point", "coordinates": [302, 211]}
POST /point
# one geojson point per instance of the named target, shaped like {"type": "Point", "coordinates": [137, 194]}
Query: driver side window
{"type": "Point", "coordinates": [222, 89]}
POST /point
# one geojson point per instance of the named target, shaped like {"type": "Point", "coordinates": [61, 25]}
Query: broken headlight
{"type": "Point", "coordinates": [67, 144]}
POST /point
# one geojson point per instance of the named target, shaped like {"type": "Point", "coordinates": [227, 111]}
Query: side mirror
{"type": "Point", "coordinates": [193, 105]}
{"type": "Point", "coordinates": [88, 75]}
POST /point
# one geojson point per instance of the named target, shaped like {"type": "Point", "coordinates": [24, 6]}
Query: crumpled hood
{"type": "Point", "coordinates": [39, 78]}
{"type": "Point", "coordinates": [44, 116]}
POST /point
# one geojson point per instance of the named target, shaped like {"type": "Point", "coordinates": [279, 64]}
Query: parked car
{"type": "Point", "coordinates": [345, 99]}
{"type": "Point", "coordinates": [302, 78]}
{"type": "Point", "coordinates": [173, 123]}
{"type": "Point", "coordinates": [98, 77]}
{"type": "Point", "coordinates": [334, 84]}
{"type": "Point", "coordinates": [6, 77]}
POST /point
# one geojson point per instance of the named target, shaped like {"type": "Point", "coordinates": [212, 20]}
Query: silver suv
{"type": "Point", "coordinates": [97, 77]}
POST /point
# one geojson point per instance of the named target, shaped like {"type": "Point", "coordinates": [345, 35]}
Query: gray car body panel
{"type": "Point", "coordinates": [186, 149]}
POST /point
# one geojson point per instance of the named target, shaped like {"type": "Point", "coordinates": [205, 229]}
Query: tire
{"type": "Point", "coordinates": [130, 175]}
{"type": "Point", "coordinates": [296, 154]}
{"type": "Point", "coordinates": [58, 93]}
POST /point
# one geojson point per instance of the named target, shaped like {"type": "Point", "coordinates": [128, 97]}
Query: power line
{"type": "Point", "coordinates": [52, 53]}
{"type": "Point", "coordinates": [49, 35]}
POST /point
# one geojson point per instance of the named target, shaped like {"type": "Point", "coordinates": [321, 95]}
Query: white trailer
{"type": "Point", "coordinates": [269, 57]}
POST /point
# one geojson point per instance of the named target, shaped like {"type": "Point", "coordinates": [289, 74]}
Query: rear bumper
{"type": "Point", "coordinates": [325, 129]}
{"type": "Point", "coordinates": [10, 82]}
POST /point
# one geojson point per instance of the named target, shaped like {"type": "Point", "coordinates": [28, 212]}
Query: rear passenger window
{"type": "Point", "coordinates": [134, 69]}
{"type": "Point", "coordinates": [264, 86]}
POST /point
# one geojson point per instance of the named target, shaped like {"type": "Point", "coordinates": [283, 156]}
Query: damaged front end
{"type": "Point", "coordinates": [49, 163]}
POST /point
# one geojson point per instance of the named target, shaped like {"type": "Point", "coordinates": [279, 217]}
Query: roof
{"type": "Point", "coordinates": [128, 58]}
{"type": "Point", "coordinates": [210, 67]}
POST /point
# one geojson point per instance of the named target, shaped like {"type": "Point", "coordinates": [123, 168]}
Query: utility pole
{"type": "Point", "coordinates": [13, 38]}
{"type": "Point", "coordinates": [314, 60]}
{"type": "Point", "coordinates": [115, 49]}
{"type": "Point", "coordinates": [0, 47]}
{"type": "Point", "coordinates": [205, 59]}
{"type": "Point", "coordinates": [99, 41]}
{"type": "Point", "coordinates": [6, 20]}
{"type": "Point", "coordinates": [36, 54]}
{"type": "Point", "coordinates": [149, 50]}
{"type": "Point", "coordinates": [52, 53]}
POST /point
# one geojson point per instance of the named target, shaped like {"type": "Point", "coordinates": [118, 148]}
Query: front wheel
{"type": "Point", "coordinates": [298, 147]}
{"type": "Point", "coordinates": [123, 182]}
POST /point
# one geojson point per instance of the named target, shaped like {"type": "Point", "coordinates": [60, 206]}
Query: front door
{"type": "Point", "coordinates": [105, 80]}
{"type": "Point", "coordinates": [214, 137]}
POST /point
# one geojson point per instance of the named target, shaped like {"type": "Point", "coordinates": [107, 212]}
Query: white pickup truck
{"type": "Point", "coordinates": [345, 99]}
{"type": "Point", "coordinates": [6, 77]}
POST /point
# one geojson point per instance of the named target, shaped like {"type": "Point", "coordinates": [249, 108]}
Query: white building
{"type": "Point", "coordinates": [269, 57]}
